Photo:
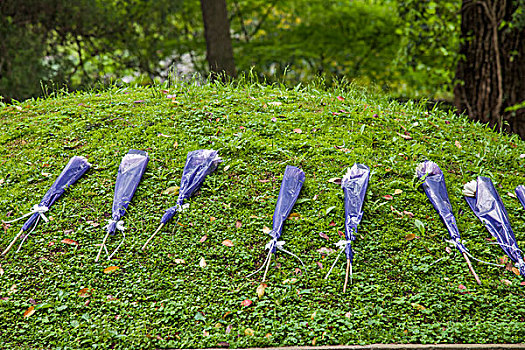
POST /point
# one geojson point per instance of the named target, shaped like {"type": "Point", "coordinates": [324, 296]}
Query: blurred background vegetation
{"type": "Point", "coordinates": [406, 47]}
{"type": "Point", "coordinates": [468, 52]}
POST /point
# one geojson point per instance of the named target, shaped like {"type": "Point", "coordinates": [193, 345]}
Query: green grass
{"type": "Point", "coordinates": [153, 301]}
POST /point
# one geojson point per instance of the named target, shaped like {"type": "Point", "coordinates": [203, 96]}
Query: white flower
{"type": "Point", "coordinates": [427, 167]}
{"type": "Point", "coordinates": [470, 187]}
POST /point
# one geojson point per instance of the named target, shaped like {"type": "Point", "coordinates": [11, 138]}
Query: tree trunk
{"type": "Point", "coordinates": [218, 42]}
{"type": "Point", "coordinates": [491, 73]}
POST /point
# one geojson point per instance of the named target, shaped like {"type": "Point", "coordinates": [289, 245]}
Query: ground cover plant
{"type": "Point", "coordinates": [189, 288]}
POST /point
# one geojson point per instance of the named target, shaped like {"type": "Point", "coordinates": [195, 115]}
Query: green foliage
{"type": "Point", "coordinates": [429, 53]}
{"type": "Point", "coordinates": [354, 40]}
{"type": "Point", "coordinates": [154, 300]}
{"type": "Point", "coordinates": [76, 44]}
{"type": "Point", "coordinates": [406, 47]}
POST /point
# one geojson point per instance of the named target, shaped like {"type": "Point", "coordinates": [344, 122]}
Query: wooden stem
{"type": "Point", "coordinates": [471, 268]}
{"type": "Point", "coordinates": [12, 243]}
{"type": "Point", "coordinates": [348, 267]}
{"type": "Point", "coordinates": [266, 268]}
{"type": "Point", "coordinates": [153, 235]}
{"type": "Point", "coordinates": [102, 246]}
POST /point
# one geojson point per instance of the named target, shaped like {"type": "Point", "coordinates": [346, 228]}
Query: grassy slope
{"type": "Point", "coordinates": [152, 301]}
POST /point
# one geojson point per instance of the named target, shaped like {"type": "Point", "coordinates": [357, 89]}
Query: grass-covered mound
{"type": "Point", "coordinates": [164, 298]}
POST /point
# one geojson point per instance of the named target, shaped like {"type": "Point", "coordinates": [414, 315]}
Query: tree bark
{"type": "Point", "coordinates": [491, 73]}
{"type": "Point", "coordinates": [219, 51]}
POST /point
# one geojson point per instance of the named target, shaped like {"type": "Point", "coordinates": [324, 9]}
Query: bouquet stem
{"type": "Point", "coordinates": [102, 246]}
{"type": "Point", "coordinates": [471, 268]}
{"type": "Point", "coordinates": [348, 269]}
{"type": "Point", "coordinates": [153, 235]}
{"type": "Point", "coordinates": [266, 268]}
{"type": "Point", "coordinates": [12, 243]}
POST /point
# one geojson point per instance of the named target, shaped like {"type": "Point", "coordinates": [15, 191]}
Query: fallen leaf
{"type": "Point", "coordinates": [212, 218]}
{"type": "Point", "coordinates": [503, 260]}
{"type": "Point", "coordinates": [275, 103]}
{"type": "Point", "coordinates": [1, 271]}
{"type": "Point", "coordinates": [84, 293]}
{"type": "Point", "coordinates": [506, 282]}
{"type": "Point", "coordinates": [93, 224]}
{"type": "Point", "coordinates": [179, 261]}
{"type": "Point", "coordinates": [328, 210]}
{"type": "Point", "coordinates": [249, 332]}
{"type": "Point", "coordinates": [260, 289]}
{"type": "Point", "coordinates": [418, 306]}
{"type": "Point", "coordinates": [348, 314]}
{"type": "Point", "coordinates": [510, 194]}
{"type": "Point", "coordinates": [340, 98]}
{"type": "Point", "coordinates": [110, 269]}
{"type": "Point", "coordinates": [29, 311]}
{"type": "Point", "coordinates": [203, 238]}
{"type": "Point", "coordinates": [408, 213]}
{"type": "Point", "coordinates": [335, 180]}
{"type": "Point", "coordinates": [395, 211]}
{"type": "Point", "coordinates": [294, 215]}
{"type": "Point", "coordinates": [268, 335]}
{"type": "Point", "coordinates": [516, 271]}
{"type": "Point", "coordinates": [227, 243]}
{"type": "Point", "coordinates": [173, 190]}
{"type": "Point", "coordinates": [406, 137]}
{"type": "Point", "coordinates": [397, 191]}
{"type": "Point", "coordinates": [238, 224]}
{"type": "Point", "coordinates": [297, 271]}
{"type": "Point", "coordinates": [462, 287]}
{"type": "Point", "coordinates": [325, 251]}
{"type": "Point", "coordinates": [458, 145]}
{"type": "Point", "coordinates": [323, 235]}
{"type": "Point", "coordinates": [290, 280]}
{"type": "Point", "coordinates": [223, 344]}
{"type": "Point", "coordinates": [522, 283]}
{"type": "Point", "coordinates": [266, 230]}
{"type": "Point", "coordinates": [298, 131]}
{"type": "Point", "coordinates": [388, 197]}
{"type": "Point", "coordinates": [410, 236]}
{"type": "Point", "coordinates": [314, 341]}
{"type": "Point", "coordinates": [228, 329]}
{"type": "Point", "coordinates": [227, 167]}
{"type": "Point", "coordinates": [202, 263]}
{"type": "Point", "coordinates": [332, 223]}
{"type": "Point", "coordinates": [319, 264]}
{"type": "Point", "coordinates": [246, 302]}
{"type": "Point", "coordinates": [69, 241]}
{"type": "Point", "coordinates": [12, 290]}
{"type": "Point", "coordinates": [205, 333]}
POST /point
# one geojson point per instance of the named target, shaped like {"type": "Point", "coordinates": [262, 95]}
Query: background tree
{"type": "Point", "coordinates": [219, 52]}
{"type": "Point", "coordinates": [491, 73]}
